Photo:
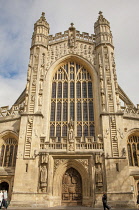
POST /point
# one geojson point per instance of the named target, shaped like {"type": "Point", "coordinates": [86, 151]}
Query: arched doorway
{"type": "Point", "coordinates": [71, 188]}
{"type": "Point", "coordinates": [4, 186]}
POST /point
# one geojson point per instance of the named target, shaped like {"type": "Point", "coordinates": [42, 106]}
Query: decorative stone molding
{"type": "Point", "coordinates": [57, 162]}
{"type": "Point", "coordinates": [84, 162]}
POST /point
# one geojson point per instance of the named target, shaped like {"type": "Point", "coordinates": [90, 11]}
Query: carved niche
{"type": "Point", "coordinates": [98, 172]}
{"type": "Point", "coordinates": [44, 158]}
{"type": "Point", "coordinates": [71, 138]}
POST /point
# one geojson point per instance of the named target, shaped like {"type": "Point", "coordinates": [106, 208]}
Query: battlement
{"type": "Point", "coordinates": [14, 111]}
{"type": "Point", "coordinates": [59, 37]}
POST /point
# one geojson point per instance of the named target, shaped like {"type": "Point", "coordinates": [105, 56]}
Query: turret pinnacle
{"type": "Point", "coordinates": [101, 19]}
{"type": "Point", "coordinates": [42, 21]}
{"type": "Point", "coordinates": [41, 31]}
{"type": "Point", "coordinates": [102, 30]}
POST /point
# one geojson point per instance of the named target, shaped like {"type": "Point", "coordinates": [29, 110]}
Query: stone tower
{"type": "Point", "coordinates": [73, 136]}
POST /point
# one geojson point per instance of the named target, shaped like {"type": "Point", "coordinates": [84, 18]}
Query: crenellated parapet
{"type": "Point", "coordinates": [83, 37]}
{"type": "Point", "coordinates": [14, 111]}
{"type": "Point", "coordinates": [130, 111]}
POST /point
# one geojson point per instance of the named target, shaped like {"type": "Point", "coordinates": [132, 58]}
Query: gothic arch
{"type": "Point", "coordinates": [132, 139]}
{"type": "Point", "coordinates": [9, 145]}
{"type": "Point", "coordinates": [131, 132]}
{"type": "Point", "coordinates": [62, 169]}
{"type": "Point", "coordinates": [4, 185]}
{"type": "Point", "coordinates": [94, 78]}
{"type": "Point", "coordinates": [9, 133]}
{"type": "Point", "coordinates": [76, 58]}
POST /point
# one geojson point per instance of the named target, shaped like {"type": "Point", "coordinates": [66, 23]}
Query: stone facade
{"type": "Point", "coordinates": [67, 138]}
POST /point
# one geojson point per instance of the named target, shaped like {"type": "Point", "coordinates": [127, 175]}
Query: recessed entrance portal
{"type": "Point", "coordinates": [71, 188]}
{"type": "Point", "coordinates": [4, 186]}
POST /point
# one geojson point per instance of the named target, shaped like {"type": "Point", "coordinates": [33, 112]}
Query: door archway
{"type": "Point", "coordinates": [71, 188]}
{"type": "Point", "coordinates": [4, 186]}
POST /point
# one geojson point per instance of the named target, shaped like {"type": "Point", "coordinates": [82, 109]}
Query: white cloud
{"type": "Point", "coordinates": [17, 20]}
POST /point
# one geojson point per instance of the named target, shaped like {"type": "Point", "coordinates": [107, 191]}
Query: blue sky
{"type": "Point", "coordinates": [17, 18]}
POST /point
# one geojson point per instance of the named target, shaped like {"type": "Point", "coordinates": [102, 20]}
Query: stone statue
{"type": "Point", "coordinates": [71, 41]}
{"type": "Point", "coordinates": [123, 152]}
{"type": "Point", "coordinates": [44, 158]}
{"type": "Point", "coordinates": [98, 174]}
{"type": "Point", "coordinates": [43, 173]}
{"type": "Point", "coordinates": [71, 127]}
{"type": "Point", "coordinates": [40, 100]}
{"type": "Point", "coordinates": [41, 84]}
{"type": "Point", "coordinates": [29, 73]}
{"type": "Point", "coordinates": [98, 158]}
{"type": "Point", "coordinates": [41, 71]}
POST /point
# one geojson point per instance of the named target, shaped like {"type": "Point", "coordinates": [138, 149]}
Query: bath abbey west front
{"type": "Point", "coordinates": [73, 133]}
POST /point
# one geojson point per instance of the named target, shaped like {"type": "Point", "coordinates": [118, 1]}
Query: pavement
{"type": "Point", "coordinates": [67, 208]}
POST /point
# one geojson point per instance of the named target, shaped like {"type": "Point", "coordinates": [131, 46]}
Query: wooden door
{"type": "Point", "coordinates": [71, 188]}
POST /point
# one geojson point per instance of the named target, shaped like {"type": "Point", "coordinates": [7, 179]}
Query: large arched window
{"type": "Point", "coordinates": [133, 150]}
{"type": "Point", "coordinates": [72, 98]}
{"type": "Point", "coordinates": [8, 153]}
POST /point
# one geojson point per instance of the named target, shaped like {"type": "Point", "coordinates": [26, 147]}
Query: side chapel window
{"type": "Point", "coordinates": [133, 150]}
{"type": "Point", "coordinates": [72, 98]}
{"type": "Point", "coordinates": [8, 153]}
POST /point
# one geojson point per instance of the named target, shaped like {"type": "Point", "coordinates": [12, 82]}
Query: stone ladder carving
{"type": "Point", "coordinates": [113, 129]}
{"type": "Point", "coordinates": [33, 91]}
{"type": "Point", "coordinates": [114, 137]}
{"type": "Point", "coordinates": [28, 137]}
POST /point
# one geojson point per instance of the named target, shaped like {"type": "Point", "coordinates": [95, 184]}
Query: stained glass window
{"type": "Point", "coordinates": [85, 132]}
{"type": "Point", "coordinates": [78, 90]}
{"type": "Point", "coordinates": [91, 111]}
{"type": "Point", "coordinates": [72, 98]}
{"type": "Point", "coordinates": [59, 95]}
{"type": "Point", "coordinates": [90, 94]}
{"type": "Point", "coordinates": [79, 130]}
{"type": "Point", "coordinates": [65, 111]}
{"type": "Point", "coordinates": [72, 90]}
{"type": "Point", "coordinates": [64, 130]}
{"type": "Point", "coordinates": [8, 153]}
{"type": "Point", "coordinates": [52, 130]}
{"type": "Point", "coordinates": [130, 155]}
{"type": "Point", "coordinates": [72, 110]}
{"type": "Point", "coordinates": [79, 112]}
{"type": "Point", "coordinates": [53, 111]}
{"type": "Point", "coordinates": [65, 90]}
{"type": "Point", "coordinates": [85, 111]}
{"type": "Point", "coordinates": [133, 150]}
{"type": "Point", "coordinates": [54, 90]}
{"type": "Point", "coordinates": [84, 90]}
{"type": "Point", "coordinates": [134, 154]}
{"type": "Point", "coordinates": [59, 111]}
{"type": "Point", "coordinates": [58, 131]}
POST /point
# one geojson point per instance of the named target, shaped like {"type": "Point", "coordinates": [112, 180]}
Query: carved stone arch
{"type": "Point", "coordinates": [134, 131]}
{"type": "Point", "coordinates": [90, 68]}
{"type": "Point", "coordinates": [57, 181]}
{"type": "Point", "coordinates": [9, 133]}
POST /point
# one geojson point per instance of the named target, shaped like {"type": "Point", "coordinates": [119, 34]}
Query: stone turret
{"type": "Point", "coordinates": [41, 32]}
{"type": "Point", "coordinates": [109, 95]}
{"type": "Point", "coordinates": [102, 31]}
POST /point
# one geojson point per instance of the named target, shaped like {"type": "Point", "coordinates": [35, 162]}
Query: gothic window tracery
{"type": "Point", "coordinates": [8, 153]}
{"type": "Point", "coordinates": [72, 98]}
{"type": "Point", "coordinates": [133, 150]}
